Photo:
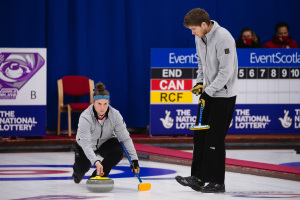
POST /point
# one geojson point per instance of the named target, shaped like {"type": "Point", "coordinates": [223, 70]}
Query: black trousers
{"type": "Point", "coordinates": [112, 154]}
{"type": "Point", "coordinates": [209, 145]}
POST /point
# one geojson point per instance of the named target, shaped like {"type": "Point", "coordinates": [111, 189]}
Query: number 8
{"type": "Point", "coordinates": [273, 73]}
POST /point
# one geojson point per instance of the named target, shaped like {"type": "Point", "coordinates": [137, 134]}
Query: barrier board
{"type": "Point", "coordinates": [23, 91]}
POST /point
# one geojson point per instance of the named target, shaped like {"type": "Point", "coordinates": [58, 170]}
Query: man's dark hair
{"type": "Point", "coordinates": [281, 24]}
{"type": "Point", "coordinates": [195, 17]}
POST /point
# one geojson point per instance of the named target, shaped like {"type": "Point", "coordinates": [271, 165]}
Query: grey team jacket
{"type": "Point", "coordinates": [90, 135]}
{"type": "Point", "coordinates": [217, 62]}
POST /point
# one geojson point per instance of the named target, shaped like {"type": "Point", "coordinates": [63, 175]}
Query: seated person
{"type": "Point", "coordinates": [248, 39]}
{"type": "Point", "coordinates": [281, 39]}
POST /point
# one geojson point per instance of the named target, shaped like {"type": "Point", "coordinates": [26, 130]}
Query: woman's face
{"type": "Point", "coordinates": [246, 34]}
{"type": "Point", "coordinates": [101, 106]}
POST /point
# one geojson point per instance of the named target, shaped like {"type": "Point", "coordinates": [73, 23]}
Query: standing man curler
{"type": "Point", "coordinates": [217, 70]}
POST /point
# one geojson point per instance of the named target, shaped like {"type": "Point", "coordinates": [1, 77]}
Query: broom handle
{"type": "Point", "coordinates": [129, 159]}
{"type": "Point", "coordinates": [200, 114]}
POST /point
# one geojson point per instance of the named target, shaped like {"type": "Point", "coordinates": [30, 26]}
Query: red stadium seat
{"type": "Point", "coordinates": [73, 86]}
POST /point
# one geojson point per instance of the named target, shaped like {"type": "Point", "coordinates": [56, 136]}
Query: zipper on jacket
{"type": "Point", "coordinates": [97, 143]}
{"type": "Point", "coordinates": [102, 128]}
{"type": "Point", "coordinates": [205, 42]}
{"type": "Point", "coordinates": [100, 135]}
{"type": "Point", "coordinates": [100, 125]}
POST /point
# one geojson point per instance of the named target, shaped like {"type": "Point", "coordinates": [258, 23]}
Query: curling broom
{"type": "Point", "coordinates": [200, 126]}
{"type": "Point", "coordinates": [142, 186]}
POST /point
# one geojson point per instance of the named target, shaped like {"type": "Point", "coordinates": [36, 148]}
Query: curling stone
{"type": "Point", "coordinates": [99, 184]}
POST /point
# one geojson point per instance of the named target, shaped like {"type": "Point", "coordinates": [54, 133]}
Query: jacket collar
{"type": "Point", "coordinates": [214, 28]}
{"type": "Point", "coordinates": [96, 115]}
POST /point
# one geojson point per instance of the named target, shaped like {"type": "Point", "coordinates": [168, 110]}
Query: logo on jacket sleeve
{"type": "Point", "coordinates": [227, 51]}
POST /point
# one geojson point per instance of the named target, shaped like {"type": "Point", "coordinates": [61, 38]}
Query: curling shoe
{"type": "Point", "coordinates": [75, 178]}
{"type": "Point", "coordinates": [213, 188]}
{"type": "Point", "coordinates": [190, 181]}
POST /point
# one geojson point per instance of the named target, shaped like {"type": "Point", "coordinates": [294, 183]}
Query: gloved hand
{"type": "Point", "coordinates": [197, 89]}
{"type": "Point", "coordinates": [203, 97]}
{"type": "Point", "coordinates": [135, 166]}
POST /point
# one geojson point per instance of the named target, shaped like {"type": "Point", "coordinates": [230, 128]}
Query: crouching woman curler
{"type": "Point", "coordinates": [101, 128]}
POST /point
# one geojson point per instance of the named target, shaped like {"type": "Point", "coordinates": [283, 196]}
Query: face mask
{"type": "Point", "coordinates": [247, 41]}
{"type": "Point", "coordinates": [283, 38]}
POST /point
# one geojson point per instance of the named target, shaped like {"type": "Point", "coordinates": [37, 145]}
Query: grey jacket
{"type": "Point", "coordinates": [90, 135]}
{"type": "Point", "coordinates": [217, 62]}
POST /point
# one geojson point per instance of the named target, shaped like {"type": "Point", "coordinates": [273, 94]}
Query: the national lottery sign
{"type": "Point", "coordinates": [247, 119]}
{"type": "Point", "coordinates": [268, 99]}
{"type": "Point", "coordinates": [273, 118]}
{"type": "Point", "coordinates": [23, 91]}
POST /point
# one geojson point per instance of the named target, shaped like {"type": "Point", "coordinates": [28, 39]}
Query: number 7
{"type": "Point", "coordinates": [262, 72]}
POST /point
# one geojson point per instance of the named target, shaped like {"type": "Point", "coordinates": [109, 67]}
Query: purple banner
{"type": "Point", "coordinates": [22, 120]}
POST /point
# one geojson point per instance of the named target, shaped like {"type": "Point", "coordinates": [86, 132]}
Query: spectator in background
{"type": "Point", "coordinates": [248, 39]}
{"type": "Point", "coordinates": [281, 39]}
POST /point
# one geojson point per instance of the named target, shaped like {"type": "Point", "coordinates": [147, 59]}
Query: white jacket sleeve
{"type": "Point", "coordinates": [200, 69]}
{"type": "Point", "coordinates": [123, 136]}
{"type": "Point", "coordinates": [225, 55]}
{"type": "Point", "coordinates": [84, 139]}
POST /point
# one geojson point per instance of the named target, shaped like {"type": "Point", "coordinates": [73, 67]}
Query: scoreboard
{"type": "Point", "coordinates": [269, 73]}
{"type": "Point", "coordinates": [268, 99]}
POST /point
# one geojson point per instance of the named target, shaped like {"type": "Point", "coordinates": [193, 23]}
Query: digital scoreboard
{"type": "Point", "coordinates": [268, 100]}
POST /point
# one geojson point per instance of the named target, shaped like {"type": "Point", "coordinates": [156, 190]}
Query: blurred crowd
{"type": "Point", "coordinates": [280, 39]}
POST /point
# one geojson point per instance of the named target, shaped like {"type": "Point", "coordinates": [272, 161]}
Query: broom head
{"type": "Point", "coordinates": [144, 186]}
{"type": "Point", "coordinates": [199, 127]}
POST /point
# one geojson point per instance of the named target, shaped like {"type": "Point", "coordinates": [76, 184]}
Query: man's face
{"type": "Point", "coordinates": [199, 31]}
{"type": "Point", "coordinates": [101, 106]}
{"type": "Point", "coordinates": [282, 31]}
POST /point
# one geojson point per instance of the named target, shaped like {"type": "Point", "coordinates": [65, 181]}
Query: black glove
{"type": "Point", "coordinates": [203, 97]}
{"type": "Point", "coordinates": [197, 89]}
{"type": "Point", "coordinates": [135, 166]}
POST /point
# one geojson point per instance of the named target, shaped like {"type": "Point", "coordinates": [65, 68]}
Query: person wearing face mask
{"type": "Point", "coordinates": [101, 128]}
{"type": "Point", "coordinates": [281, 39]}
{"type": "Point", "coordinates": [248, 39]}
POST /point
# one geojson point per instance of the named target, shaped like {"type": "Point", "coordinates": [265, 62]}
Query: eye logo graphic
{"type": "Point", "coordinates": [15, 70]}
